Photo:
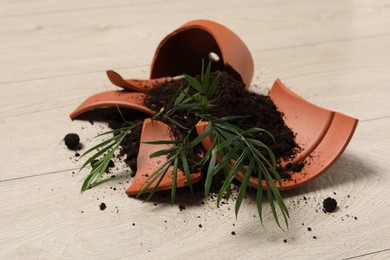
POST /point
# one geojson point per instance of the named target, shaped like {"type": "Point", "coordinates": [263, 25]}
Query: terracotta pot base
{"type": "Point", "coordinates": [322, 135]}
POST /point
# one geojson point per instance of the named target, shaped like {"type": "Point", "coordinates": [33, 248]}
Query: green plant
{"type": "Point", "coordinates": [230, 144]}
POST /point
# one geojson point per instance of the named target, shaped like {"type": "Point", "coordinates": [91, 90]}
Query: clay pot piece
{"type": "Point", "coordinates": [155, 131]}
{"type": "Point", "coordinates": [322, 135]}
{"type": "Point", "coordinates": [183, 50]}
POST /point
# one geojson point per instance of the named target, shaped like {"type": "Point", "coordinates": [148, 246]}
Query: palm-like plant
{"type": "Point", "coordinates": [233, 149]}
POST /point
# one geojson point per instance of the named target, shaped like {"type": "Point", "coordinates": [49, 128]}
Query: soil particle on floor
{"type": "Point", "coordinates": [182, 207]}
{"type": "Point", "coordinates": [72, 141]}
{"type": "Point", "coordinates": [102, 206]}
{"type": "Point", "coordinates": [329, 204]}
{"type": "Point", "coordinates": [233, 233]}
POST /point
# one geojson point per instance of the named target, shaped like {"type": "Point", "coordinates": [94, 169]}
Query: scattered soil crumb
{"type": "Point", "coordinates": [309, 228]}
{"type": "Point", "coordinates": [285, 240]}
{"type": "Point", "coordinates": [329, 204]}
{"type": "Point", "coordinates": [314, 237]}
{"type": "Point", "coordinates": [233, 233]}
{"type": "Point", "coordinates": [102, 206]}
{"type": "Point", "coordinates": [72, 141]}
{"type": "Point", "coordinates": [182, 207]}
{"type": "Point", "coordinates": [200, 225]}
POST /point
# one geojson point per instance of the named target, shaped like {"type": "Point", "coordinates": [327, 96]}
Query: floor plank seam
{"type": "Point", "coordinates": [77, 10]}
{"type": "Point", "coordinates": [373, 119]}
{"type": "Point", "coordinates": [37, 175]}
{"type": "Point", "coordinates": [367, 254]}
{"type": "Point", "coordinates": [70, 75]}
{"type": "Point", "coordinates": [324, 43]}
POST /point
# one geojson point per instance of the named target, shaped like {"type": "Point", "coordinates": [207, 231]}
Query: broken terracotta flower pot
{"type": "Point", "coordinates": [155, 131]}
{"type": "Point", "coordinates": [322, 135]}
{"type": "Point", "coordinates": [182, 51]}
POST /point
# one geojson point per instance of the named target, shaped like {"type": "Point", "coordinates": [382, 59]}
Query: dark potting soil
{"type": "Point", "coordinates": [330, 204]}
{"type": "Point", "coordinates": [232, 99]}
{"type": "Point", "coordinates": [102, 206]}
{"type": "Point", "coordinates": [72, 141]}
{"type": "Point", "coordinates": [130, 145]}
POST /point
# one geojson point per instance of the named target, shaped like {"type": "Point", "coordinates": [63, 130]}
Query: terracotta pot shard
{"type": "Point", "coordinates": [183, 50]}
{"type": "Point", "coordinates": [155, 131]}
{"type": "Point", "coordinates": [113, 98]}
{"type": "Point", "coordinates": [137, 85]}
{"type": "Point", "coordinates": [322, 135]}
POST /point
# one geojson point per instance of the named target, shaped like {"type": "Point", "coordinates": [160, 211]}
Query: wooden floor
{"type": "Point", "coordinates": [54, 54]}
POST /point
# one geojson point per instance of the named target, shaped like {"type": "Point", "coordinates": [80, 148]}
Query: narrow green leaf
{"type": "Point", "coordinates": [199, 139]}
{"type": "Point", "coordinates": [163, 152]}
{"type": "Point", "coordinates": [186, 169]}
{"type": "Point", "coordinates": [202, 72]}
{"type": "Point", "coordinates": [102, 144]}
{"type": "Point", "coordinates": [181, 97]}
{"type": "Point", "coordinates": [193, 83]}
{"type": "Point", "coordinates": [272, 204]}
{"type": "Point", "coordinates": [176, 123]}
{"type": "Point", "coordinates": [174, 179]}
{"type": "Point", "coordinates": [232, 173]}
{"type": "Point", "coordinates": [206, 79]}
{"type": "Point", "coordinates": [157, 184]}
{"type": "Point", "coordinates": [259, 197]}
{"type": "Point", "coordinates": [158, 173]}
{"type": "Point", "coordinates": [243, 186]}
{"type": "Point", "coordinates": [213, 87]}
{"type": "Point", "coordinates": [210, 174]}
{"type": "Point", "coordinates": [95, 156]}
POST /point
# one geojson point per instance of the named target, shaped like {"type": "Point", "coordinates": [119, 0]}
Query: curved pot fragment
{"type": "Point", "coordinates": [137, 85]}
{"type": "Point", "coordinates": [183, 50]}
{"type": "Point", "coordinates": [113, 98]}
{"type": "Point", "coordinates": [322, 135]}
{"type": "Point", "coordinates": [155, 131]}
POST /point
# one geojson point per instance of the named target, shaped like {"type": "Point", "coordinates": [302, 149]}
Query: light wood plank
{"type": "Point", "coordinates": [336, 76]}
{"type": "Point", "coordinates": [53, 55]}
{"type": "Point", "coordinates": [25, 8]}
{"type": "Point", "coordinates": [48, 223]}
{"type": "Point", "coordinates": [92, 36]}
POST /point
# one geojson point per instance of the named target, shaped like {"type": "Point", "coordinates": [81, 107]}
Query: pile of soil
{"type": "Point", "coordinates": [231, 99]}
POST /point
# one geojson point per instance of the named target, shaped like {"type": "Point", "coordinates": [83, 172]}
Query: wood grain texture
{"type": "Point", "coordinates": [53, 55]}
